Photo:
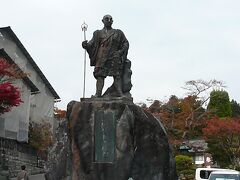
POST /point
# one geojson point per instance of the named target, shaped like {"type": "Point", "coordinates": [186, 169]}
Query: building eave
{"type": "Point", "coordinates": [31, 61]}
{"type": "Point", "coordinates": [29, 83]}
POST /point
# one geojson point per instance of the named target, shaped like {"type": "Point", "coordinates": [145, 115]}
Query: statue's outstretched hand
{"type": "Point", "coordinates": [85, 44]}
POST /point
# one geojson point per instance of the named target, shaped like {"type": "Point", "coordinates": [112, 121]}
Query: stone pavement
{"type": "Point", "coordinates": [34, 177]}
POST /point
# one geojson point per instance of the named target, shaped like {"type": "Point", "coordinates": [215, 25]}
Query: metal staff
{"type": "Point", "coordinates": [84, 29]}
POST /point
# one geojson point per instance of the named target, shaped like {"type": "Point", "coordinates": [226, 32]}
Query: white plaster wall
{"type": "Point", "coordinates": [16, 121]}
{"type": "Point", "coordinates": [40, 106]}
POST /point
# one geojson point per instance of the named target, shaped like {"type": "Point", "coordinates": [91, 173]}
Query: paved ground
{"type": "Point", "coordinates": [34, 177]}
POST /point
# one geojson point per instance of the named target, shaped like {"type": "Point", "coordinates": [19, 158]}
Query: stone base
{"type": "Point", "coordinates": [113, 139]}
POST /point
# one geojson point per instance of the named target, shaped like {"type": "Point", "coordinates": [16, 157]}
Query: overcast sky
{"type": "Point", "coordinates": [171, 42]}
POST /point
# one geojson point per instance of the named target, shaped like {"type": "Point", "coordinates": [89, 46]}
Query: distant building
{"type": "Point", "coordinates": [36, 92]}
{"type": "Point", "coordinates": [198, 150]}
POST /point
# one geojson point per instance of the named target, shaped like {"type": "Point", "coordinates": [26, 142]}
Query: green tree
{"type": "Point", "coordinates": [198, 95]}
{"type": "Point", "coordinates": [219, 156]}
{"type": "Point", "coordinates": [40, 136]}
{"type": "Point", "coordinates": [185, 167]}
{"type": "Point", "coordinates": [235, 109]}
{"type": "Point", "coordinates": [219, 104]}
{"type": "Point", "coordinates": [223, 137]}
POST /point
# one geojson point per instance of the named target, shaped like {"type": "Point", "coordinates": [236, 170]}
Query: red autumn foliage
{"type": "Point", "coordinates": [5, 68]}
{"type": "Point", "coordinates": [226, 134]}
{"type": "Point", "coordinates": [182, 118]}
{"type": "Point", "coordinates": [222, 127]}
{"type": "Point", "coordinates": [9, 71]}
{"type": "Point", "coordinates": [59, 113]}
{"type": "Point", "coordinates": [9, 94]}
{"type": "Point", "coordinates": [9, 97]}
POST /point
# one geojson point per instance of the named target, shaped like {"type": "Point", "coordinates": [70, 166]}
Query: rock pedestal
{"type": "Point", "coordinates": [113, 139]}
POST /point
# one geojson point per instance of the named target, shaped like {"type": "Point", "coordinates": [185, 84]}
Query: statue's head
{"type": "Point", "coordinates": [107, 20]}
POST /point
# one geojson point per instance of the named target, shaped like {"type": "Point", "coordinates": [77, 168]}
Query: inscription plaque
{"type": "Point", "coordinates": [104, 137]}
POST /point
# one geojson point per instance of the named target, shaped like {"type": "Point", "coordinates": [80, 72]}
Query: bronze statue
{"type": "Point", "coordinates": [108, 53]}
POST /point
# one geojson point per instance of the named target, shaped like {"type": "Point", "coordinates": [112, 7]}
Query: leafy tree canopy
{"type": "Point", "coordinates": [185, 167]}
{"type": "Point", "coordinates": [219, 104]}
{"type": "Point", "coordinates": [223, 136]}
{"type": "Point", "coordinates": [235, 109]}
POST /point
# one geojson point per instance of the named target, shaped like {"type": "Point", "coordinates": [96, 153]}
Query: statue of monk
{"type": "Point", "coordinates": [107, 51]}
